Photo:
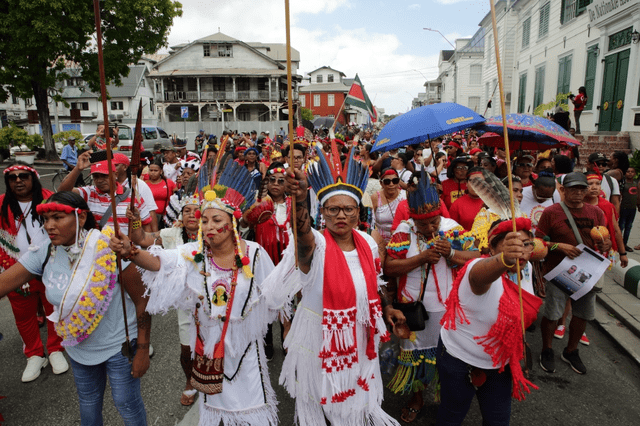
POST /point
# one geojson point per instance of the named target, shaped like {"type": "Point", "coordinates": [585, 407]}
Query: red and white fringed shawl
{"type": "Point", "coordinates": [339, 350]}
{"type": "Point", "coordinates": [504, 341]}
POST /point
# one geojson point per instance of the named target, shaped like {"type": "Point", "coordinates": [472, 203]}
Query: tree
{"type": "Point", "coordinates": [307, 114]}
{"type": "Point", "coordinates": [37, 38]}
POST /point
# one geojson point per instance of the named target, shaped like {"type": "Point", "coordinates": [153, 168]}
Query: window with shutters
{"type": "Point", "coordinates": [117, 105]}
{"type": "Point", "coordinates": [475, 74]}
{"type": "Point", "coordinates": [206, 49]}
{"type": "Point", "coordinates": [590, 75]}
{"type": "Point", "coordinates": [330, 78]}
{"type": "Point", "coordinates": [564, 75]}
{"type": "Point", "coordinates": [319, 78]}
{"type": "Point", "coordinates": [543, 28]}
{"type": "Point", "coordinates": [474, 103]}
{"type": "Point", "coordinates": [538, 91]}
{"type": "Point", "coordinates": [522, 93]}
{"type": "Point", "coordinates": [331, 100]}
{"type": "Point", "coordinates": [526, 32]}
{"type": "Point", "coordinates": [303, 101]}
{"type": "Point", "coordinates": [316, 100]}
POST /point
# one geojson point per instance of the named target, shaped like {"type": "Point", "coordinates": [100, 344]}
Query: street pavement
{"type": "Point", "coordinates": [607, 394]}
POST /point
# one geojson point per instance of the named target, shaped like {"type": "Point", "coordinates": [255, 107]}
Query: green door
{"type": "Point", "coordinates": [614, 85]}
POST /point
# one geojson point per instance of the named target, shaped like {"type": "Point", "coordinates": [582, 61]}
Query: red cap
{"type": "Point", "coordinates": [475, 151]}
{"type": "Point", "coordinates": [120, 159]}
{"type": "Point", "coordinates": [102, 167]}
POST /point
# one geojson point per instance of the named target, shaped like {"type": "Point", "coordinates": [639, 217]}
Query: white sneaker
{"type": "Point", "coordinates": [151, 351]}
{"type": "Point", "coordinates": [59, 363]}
{"type": "Point", "coordinates": [35, 364]}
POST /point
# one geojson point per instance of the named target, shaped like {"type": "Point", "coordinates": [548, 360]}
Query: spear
{"type": "Point", "coordinates": [509, 176]}
{"type": "Point", "coordinates": [135, 159]}
{"type": "Point", "coordinates": [126, 346]}
{"type": "Point", "coordinates": [294, 227]}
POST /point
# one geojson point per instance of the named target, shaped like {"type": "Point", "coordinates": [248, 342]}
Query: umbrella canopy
{"type": "Point", "coordinates": [325, 122]}
{"type": "Point", "coordinates": [424, 123]}
{"type": "Point", "coordinates": [528, 128]}
{"type": "Point", "coordinates": [494, 139]}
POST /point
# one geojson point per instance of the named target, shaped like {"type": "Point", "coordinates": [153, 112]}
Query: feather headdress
{"type": "Point", "coordinates": [422, 197]}
{"type": "Point", "coordinates": [328, 178]}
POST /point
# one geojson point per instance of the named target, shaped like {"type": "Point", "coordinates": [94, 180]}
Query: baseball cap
{"type": "Point", "coordinates": [574, 179]}
{"type": "Point", "coordinates": [121, 159]}
{"type": "Point", "coordinates": [102, 167]}
{"type": "Point", "coordinates": [71, 138]}
{"type": "Point", "coordinates": [167, 148]}
{"type": "Point", "coordinates": [596, 157]}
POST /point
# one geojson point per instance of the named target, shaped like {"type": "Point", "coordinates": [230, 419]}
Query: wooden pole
{"type": "Point", "coordinates": [509, 175]}
{"type": "Point", "coordinates": [112, 177]}
{"type": "Point", "coordinates": [294, 227]}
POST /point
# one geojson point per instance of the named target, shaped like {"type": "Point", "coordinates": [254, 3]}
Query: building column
{"type": "Point", "coordinates": [278, 88]}
{"type": "Point", "coordinates": [162, 90]}
{"type": "Point", "coordinates": [270, 80]}
{"type": "Point", "coordinates": [235, 93]}
{"type": "Point", "coordinates": [198, 83]}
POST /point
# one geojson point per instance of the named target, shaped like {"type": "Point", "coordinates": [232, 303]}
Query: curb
{"type": "Point", "coordinates": [622, 335]}
{"type": "Point", "coordinates": [628, 277]}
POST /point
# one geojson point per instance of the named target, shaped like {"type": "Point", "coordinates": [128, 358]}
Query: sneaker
{"type": "Point", "coordinates": [559, 333]}
{"type": "Point", "coordinates": [35, 364]}
{"type": "Point", "coordinates": [584, 339]}
{"type": "Point", "coordinates": [151, 351]}
{"type": "Point", "coordinates": [58, 362]}
{"type": "Point", "coordinates": [548, 361]}
{"type": "Point", "coordinates": [573, 359]}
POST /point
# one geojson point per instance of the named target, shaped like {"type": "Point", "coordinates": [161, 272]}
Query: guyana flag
{"type": "Point", "coordinates": [357, 97]}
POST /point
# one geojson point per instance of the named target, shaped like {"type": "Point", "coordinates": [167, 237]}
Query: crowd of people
{"type": "Point", "coordinates": [411, 249]}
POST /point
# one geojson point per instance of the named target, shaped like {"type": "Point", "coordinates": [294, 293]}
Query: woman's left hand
{"type": "Point", "coordinates": [140, 363]}
{"type": "Point", "coordinates": [121, 246]}
{"type": "Point", "coordinates": [443, 247]}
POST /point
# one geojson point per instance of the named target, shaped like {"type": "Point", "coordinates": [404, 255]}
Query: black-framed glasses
{"type": "Point", "coordinates": [394, 181]}
{"type": "Point", "coordinates": [333, 211]}
{"type": "Point", "coordinates": [273, 179]}
{"type": "Point", "coordinates": [524, 165]}
{"type": "Point", "coordinates": [22, 176]}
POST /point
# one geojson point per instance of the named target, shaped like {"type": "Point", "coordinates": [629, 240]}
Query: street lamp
{"type": "Point", "coordinates": [436, 31]}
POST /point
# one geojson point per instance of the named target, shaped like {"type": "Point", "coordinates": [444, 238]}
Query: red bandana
{"type": "Point", "coordinates": [503, 342]}
{"type": "Point", "coordinates": [339, 352]}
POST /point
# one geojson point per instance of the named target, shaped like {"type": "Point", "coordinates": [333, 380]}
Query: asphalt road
{"type": "Point", "coordinates": [607, 395]}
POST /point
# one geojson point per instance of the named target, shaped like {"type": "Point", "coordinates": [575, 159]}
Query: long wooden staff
{"type": "Point", "coordinates": [508, 161]}
{"type": "Point", "coordinates": [135, 160]}
{"type": "Point", "coordinates": [112, 177]}
{"type": "Point", "coordinates": [294, 227]}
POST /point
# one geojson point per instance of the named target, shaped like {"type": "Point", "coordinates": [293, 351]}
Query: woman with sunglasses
{"type": "Point", "coordinates": [385, 202]}
{"type": "Point", "coordinates": [79, 274]}
{"type": "Point", "coordinates": [523, 168]}
{"type": "Point", "coordinates": [456, 184]}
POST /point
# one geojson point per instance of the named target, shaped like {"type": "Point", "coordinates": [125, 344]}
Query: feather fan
{"type": "Point", "coordinates": [494, 194]}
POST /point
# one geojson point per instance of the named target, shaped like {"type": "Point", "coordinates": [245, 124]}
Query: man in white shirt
{"type": "Point", "coordinates": [122, 163]}
{"type": "Point", "coordinates": [539, 196]}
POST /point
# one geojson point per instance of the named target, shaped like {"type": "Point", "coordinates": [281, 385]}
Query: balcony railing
{"type": "Point", "coordinates": [180, 96]}
{"type": "Point", "coordinates": [242, 96]}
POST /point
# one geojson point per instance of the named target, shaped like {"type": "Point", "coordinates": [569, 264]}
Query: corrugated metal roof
{"type": "Point", "coordinates": [128, 89]}
{"type": "Point", "coordinates": [324, 87]}
{"type": "Point", "coordinates": [217, 37]}
{"type": "Point", "coordinates": [476, 44]}
{"type": "Point", "coordinates": [277, 51]}
{"type": "Point", "coordinates": [220, 71]}
{"type": "Point", "coordinates": [329, 68]}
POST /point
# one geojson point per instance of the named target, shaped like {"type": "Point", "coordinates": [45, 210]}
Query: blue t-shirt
{"type": "Point", "coordinates": [70, 155]}
{"type": "Point", "coordinates": [106, 340]}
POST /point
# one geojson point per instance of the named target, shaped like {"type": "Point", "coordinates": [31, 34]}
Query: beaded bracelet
{"type": "Point", "coordinates": [133, 253]}
{"type": "Point", "coordinates": [505, 263]}
{"type": "Point", "coordinates": [451, 254]}
{"type": "Point", "coordinates": [136, 224]}
{"type": "Point", "coordinates": [553, 247]}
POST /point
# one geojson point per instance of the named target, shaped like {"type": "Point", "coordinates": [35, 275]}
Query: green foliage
{"type": "Point", "coordinates": [61, 137]}
{"type": "Point", "coordinates": [35, 141]}
{"type": "Point", "coordinates": [307, 114]}
{"type": "Point", "coordinates": [560, 101]}
{"type": "Point", "coordinates": [634, 161]}
{"type": "Point", "coordinates": [13, 135]}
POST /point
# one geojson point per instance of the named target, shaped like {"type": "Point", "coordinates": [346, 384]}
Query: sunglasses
{"type": "Point", "coordinates": [394, 181]}
{"type": "Point", "coordinates": [461, 168]}
{"type": "Point", "coordinates": [524, 165]}
{"type": "Point", "coordinates": [273, 179]}
{"type": "Point", "coordinates": [22, 176]}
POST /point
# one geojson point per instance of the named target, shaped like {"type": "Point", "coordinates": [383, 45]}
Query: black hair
{"type": "Point", "coordinates": [403, 158]}
{"type": "Point", "coordinates": [623, 160]}
{"type": "Point", "coordinates": [11, 202]}
{"type": "Point", "coordinates": [582, 90]}
{"type": "Point", "coordinates": [275, 165]}
{"type": "Point", "coordinates": [546, 178]}
{"type": "Point", "coordinates": [514, 178]}
{"type": "Point", "coordinates": [563, 164]}
{"type": "Point", "coordinates": [70, 198]}
{"type": "Point", "coordinates": [461, 160]}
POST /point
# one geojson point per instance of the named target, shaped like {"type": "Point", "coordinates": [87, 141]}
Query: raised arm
{"type": "Point", "coordinates": [69, 181]}
{"type": "Point", "coordinates": [296, 184]}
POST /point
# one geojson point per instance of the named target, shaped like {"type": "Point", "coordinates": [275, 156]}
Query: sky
{"type": "Point", "coordinates": [382, 41]}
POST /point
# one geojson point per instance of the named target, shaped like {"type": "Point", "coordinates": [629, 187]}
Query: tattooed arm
{"type": "Point", "coordinates": [139, 236]}
{"type": "Point", "coordinates": [296, 185]}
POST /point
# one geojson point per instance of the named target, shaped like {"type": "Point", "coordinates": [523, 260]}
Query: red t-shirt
{"type": "Point", "coordinates": [579, 102]}
{"type": "Point", "coordinates": [610, 215]}
{"type": "Point", "coordinates": [465, 209]}
{"type": "Point", "coordinates": [162, 191]}
{"type": "Point", "coordinates": [452, 190]}
{"type": "Point", "coordinates": [554, 224]}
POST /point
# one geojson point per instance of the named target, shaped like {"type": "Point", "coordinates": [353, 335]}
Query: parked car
{"type": "Point", "coordinates": [151, 136]}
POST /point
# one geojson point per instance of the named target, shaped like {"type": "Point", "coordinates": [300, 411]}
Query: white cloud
{"type": "Point", "coordinates": [413, 7]}
{"type": "Point", "coordinates": [388, 76]}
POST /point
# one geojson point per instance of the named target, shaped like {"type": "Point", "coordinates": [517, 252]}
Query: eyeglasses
{"type": "Point", "coordinates": [457, 139]}
{"type": "Point", "coordinates": [22, 176]}
{"type": "Point", "coordinates": [273, 179]}
{"type": "Point", "coordinates": [334, 211]}
{"type": "Point", "coordinates": [461, 168]}
{"type": "Point", "coordinates": [524, 165]}
{"type": "Point", "coordinates": [602, 163]}
{"type": "Point", "coordinates": [394, 181]}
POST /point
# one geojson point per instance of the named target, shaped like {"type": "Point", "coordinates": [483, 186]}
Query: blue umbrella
{"type": "Point", "coordinates": [420, 124]}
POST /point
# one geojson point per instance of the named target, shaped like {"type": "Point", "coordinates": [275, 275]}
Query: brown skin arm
{"type": "Point", "coordinates": [296, 185]}
{"type": "Point", "coordinates": [69, 181]}
{"type": "Point", "coordinates": [140, 236]}
{"type": "Point", "coordinates": [486, 271]}
{"type": "Point", "coordinates": [15, 274]}
{"type": "Point", "coordinates": [135, 289]}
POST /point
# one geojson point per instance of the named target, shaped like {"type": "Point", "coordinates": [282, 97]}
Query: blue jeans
{"type": "Point", "coordinates": [125, 390]}
{"type": "Point", "coordinates": [456, 392]}
{"type": "Point", "coordinates": [626, 222]}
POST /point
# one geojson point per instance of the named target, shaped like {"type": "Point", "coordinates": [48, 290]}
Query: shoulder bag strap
{"type": "Point", "coordinates": [572, 222]}
{"type": "Point", "coordinates": [108, 212]}
{"type": "Point", "coordinates": [424, 283]}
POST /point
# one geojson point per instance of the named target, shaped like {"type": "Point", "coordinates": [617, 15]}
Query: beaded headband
{"type": "Point", "coordinates": [56, 207]}
{"type": "Point", "coordinates": [277, 170]}
{"type": "Point", "coordinates": [21, 167]}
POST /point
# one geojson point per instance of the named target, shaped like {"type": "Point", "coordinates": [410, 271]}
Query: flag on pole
{"type": "Point", "coordinates": [358, 98]}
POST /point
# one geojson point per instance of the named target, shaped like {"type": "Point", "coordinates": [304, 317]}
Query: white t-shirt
{"type": "Point", "coordinates": [36, 232]}
{"type": "Point", "coordinates": [170, 171]}
{"type": "Point", "coordinates": [607, 189]}
{"type": "Point", "coordinates": [533, 208]}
